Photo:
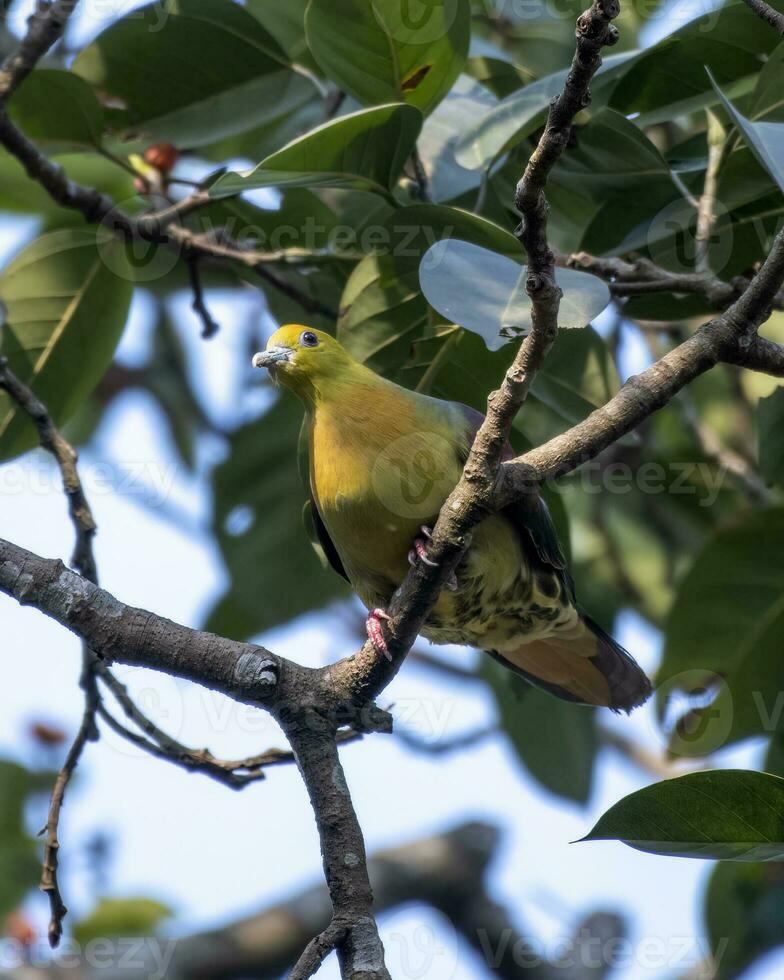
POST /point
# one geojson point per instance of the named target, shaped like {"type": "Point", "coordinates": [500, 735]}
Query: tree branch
{"type": "Point", "coordinates": [768, 14]}
{"type": "Point", "coordinates": [731, 338]}
{"type": "Point", "coordinates": [45, 27]}
{"type": "Point", "coordinates": [641, 277]}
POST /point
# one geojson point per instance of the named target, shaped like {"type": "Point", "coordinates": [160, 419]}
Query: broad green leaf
{"type": "Point", "coordinates": [770, 417]}
{"type": "Point", "coordinates": [555, 741]}
{"type": "Point", "coordinates": [117, 917]}
{"type": "Point", "coordinates": [728, 622]}
{"type": "Point", "coordinates": [365, 151]}
{"type": "Point", "coordinates": [611, 157]}
{"type": "Point", "coordinates": [727, 814]}
{"type": "Point", "coordinates": [441, 133]}
{"type": "Point", "coordinates": [57, 110]}
{"type": "Point", "coordinates": [383, 310]}
{"type": "Point", "coordinates": [497, 75]}
{"type": "Point", "coordinates": [520, 113]}
{"type": "Point", "coordinates": [767, 101]}
{"type": "Point", "coordinates": [485, 292]}
{"type": "Point", "coordinates": [743, 905]}
{"type": "Point", "coordinates": [577, 377]}
{"type": "Point", "coordinates": [286, 23]}
{"type": "Point", "coordinates": [258, 525]}
{"type": "Point", "coordinates": [764, 139]}
{"type": "Point", "coordinates": [209, 70]}
{"type": "Point", "coordinates": [384, 51]}
{"type": "Point", "coordinates": [66, 298]}
{"type": "Point", "coordinates": [668, 79]}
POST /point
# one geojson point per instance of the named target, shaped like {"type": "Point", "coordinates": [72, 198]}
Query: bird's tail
{"type": "Point", "coordinates": [587, 667]}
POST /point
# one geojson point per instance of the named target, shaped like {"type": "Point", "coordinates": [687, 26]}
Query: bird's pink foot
{"type": "Point", "coordinates": [375, 632]}
{"type": "Point", "coordinates": [419, 551]}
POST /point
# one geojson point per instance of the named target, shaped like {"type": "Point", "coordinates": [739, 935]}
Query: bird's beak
{"type": "Point", "coordinates": [271, 356]}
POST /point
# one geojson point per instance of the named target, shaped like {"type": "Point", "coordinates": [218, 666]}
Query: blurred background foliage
{"type": "Point", "coordinates": [165, 98]}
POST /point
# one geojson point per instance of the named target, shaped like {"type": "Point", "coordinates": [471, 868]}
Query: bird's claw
{"type": "Point", "coordinates": [375, 632]}
{"type": "Point", "coordinates": [419, 551]}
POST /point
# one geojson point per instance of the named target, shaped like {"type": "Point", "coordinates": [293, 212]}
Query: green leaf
{"type": "Point", "coordinates": [764, 139]}
{"type": "Point", "coordinates": [382, 309]}
{"type": "Point", "coordinates": [66, 299]}
{"type": "Point", "coordinates": [210, 70]}
{"type": "Point", "coordinates": [520, 113]}
{"type": "Point", "coordinates": [555, 741]}
{"type": "Point", "coordinates": [365, 151]}
{"type": "Point", "coordinates": [727, 623]}
{"type": "Point", "coordinates": [668, 80]}
{"type": "Point", "coordinates": [577, 377]}
{"type": "Point", "coordinates": [116, 917]}
{"type": "Point", "coordinates": [390, 53]}
{"type": "Point", "coordinates": [612, 157]}
{"type": "Point", "coordinates": [441, 134]}
{"type": "Point", "coordinates": [728, 814]}
{"type": "Point", "coordinates": [57, 110]}
{"type": "Point", "coordinates": [286, 23]}
{"type": "Point", "coordinates": [770, 417]}
{"type": "Point", "coordinates": [258, 525]}
{"type": "Point", "coordinates": [485, 292]}
{"type": "Point", "coordinates": [743, 905]}
{"type": "Point", "coordinates": [499, 76]}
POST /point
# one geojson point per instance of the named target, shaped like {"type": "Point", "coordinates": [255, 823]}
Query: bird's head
{"type": "Point", "coordinates": [304, 359]}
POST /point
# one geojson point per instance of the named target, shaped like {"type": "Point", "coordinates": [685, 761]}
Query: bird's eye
{"type": "Point", "coordinates": [308, 339]}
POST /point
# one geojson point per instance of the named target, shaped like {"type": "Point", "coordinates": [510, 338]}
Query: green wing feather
{"type": "Point", "coordinates": [531, 516]}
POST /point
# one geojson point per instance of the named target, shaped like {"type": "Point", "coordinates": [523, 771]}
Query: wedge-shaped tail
{"type": "Point", "coordinates": [590, 668]}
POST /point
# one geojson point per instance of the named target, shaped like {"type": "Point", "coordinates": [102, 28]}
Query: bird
{"type": "Point", "coordinates": [382, 461]}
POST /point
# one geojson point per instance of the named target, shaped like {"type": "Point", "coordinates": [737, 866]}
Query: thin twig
{"type": "Point", "coordinates": [446, 746]}
{"type": "Point", "coordinates": [87, 733]}
{"type": "Point", "coordinates": [83, 560]}
{"type": "Point", "coordinates": [317, 950]}
{"type": "Point", "coordinates": [420, 176]}
{"type": "Point", "coordinates": [706, 211]}
{"type": "Point", "coordinates": [208, 325]}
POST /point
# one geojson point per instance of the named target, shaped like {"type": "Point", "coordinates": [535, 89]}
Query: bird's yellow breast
{"type": "Point", "coordinates": [378, 474]}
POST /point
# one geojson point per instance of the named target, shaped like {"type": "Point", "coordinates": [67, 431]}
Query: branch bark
{"type": "Point", "coordinates": [768, 14]}
{"type": "Point", "coordinates": [730, 338]}
{"type": "Point", "coordinates": [313, 704]}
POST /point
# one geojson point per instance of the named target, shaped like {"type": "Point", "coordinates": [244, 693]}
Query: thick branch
{"type": "Point", "coordinates": [731, 338]}
{"type": "Point", "coordinates": [127, 635]}
{"type": "Point", "coordinates": [352, 929]}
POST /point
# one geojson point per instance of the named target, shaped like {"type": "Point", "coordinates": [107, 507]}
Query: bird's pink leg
{"type": "Point", "coordinates": [419, 551]}
{"type": "Point", "coordinates": [375, 632]}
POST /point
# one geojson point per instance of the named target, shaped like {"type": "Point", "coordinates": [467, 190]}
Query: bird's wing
{"type": "Point", "coordinates": [323, 538]}
{"type": "Point", "coordinates": [531, 515]}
